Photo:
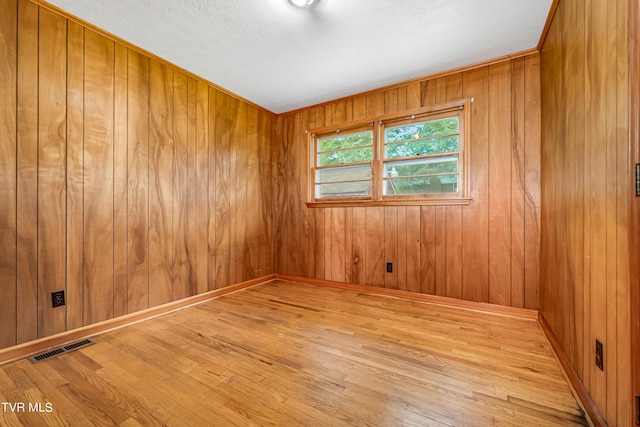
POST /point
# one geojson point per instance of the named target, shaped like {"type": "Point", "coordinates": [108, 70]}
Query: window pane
{"type": "Point", "coordinates": [343, 190]}
{"type": "Point", "coordinates": [430, 165]}
{"type": "Point", "coordinates": [346, 181]}
{"type": "Point", "coordinates": [422, 146]}
{"type": "Point", "coordinates": [439, 127]}
{"type": "Point", "coordinates": [355, 155]}
{"type": "Point", "coordinates": [422, 176]}
{"type": "Point", "coordinates": [347, 140]}
{"type": "Point", "coordinates": [421, 185]}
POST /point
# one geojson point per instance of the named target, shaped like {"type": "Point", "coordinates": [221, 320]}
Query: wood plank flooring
{"type": "Point", "coordinates": [290, 354]}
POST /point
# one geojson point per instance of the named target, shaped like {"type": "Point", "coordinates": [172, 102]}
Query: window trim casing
{"type": "Point", "coordinates": [462, 197]}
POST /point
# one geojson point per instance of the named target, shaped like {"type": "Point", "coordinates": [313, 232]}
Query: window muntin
{"type": "Point", "coordinates": [421, 156]}
{"type": "Point", "coordinates": [343, 164]}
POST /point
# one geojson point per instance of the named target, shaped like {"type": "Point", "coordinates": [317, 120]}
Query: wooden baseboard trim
{"type": "Point", "coordinates": [433, 299]}
{"type": "Point", "coordinates": [580, 392]}
{"type": "Point", "coordinates": [33, 347]}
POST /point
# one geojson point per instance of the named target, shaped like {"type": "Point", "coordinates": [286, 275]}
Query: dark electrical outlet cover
{"type": "Point", "coordinates": [599, 356]}
{"type": "Point", "coordinates": [389, 267]}
{"type": "Point", "coordinates": [57, 299]}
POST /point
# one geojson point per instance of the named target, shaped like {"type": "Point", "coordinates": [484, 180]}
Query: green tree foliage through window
{"type": "Point", "coordinates": [432, 137]}
{"type": "Point", "coordinates": [345, 149]}
{"type": "Point", "coordinates": [422, 157]}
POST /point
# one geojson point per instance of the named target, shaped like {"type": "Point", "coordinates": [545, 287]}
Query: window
{"type": "Point", "coordinates": [416, 158]}
{"type": "Point", "coordinates": [421, 156]}
{"type": "Point", "coordinates": [344, 165]}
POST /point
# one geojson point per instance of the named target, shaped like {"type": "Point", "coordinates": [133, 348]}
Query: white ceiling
{"type": "Point", "coordinates": [283, 58]}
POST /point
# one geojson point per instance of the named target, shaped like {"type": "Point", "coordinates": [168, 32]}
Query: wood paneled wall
{"type": "Point", "coordinates": [584, 287]}
{"type": "Point", "coordinates": [487, 251]}
{"type": "Point", "coordinates": [123, 181]}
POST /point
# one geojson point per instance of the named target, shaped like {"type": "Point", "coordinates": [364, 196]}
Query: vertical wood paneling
{"type": "Point", "coordinates": [626, 80]}
{"type": "Point", "coordinates": [440, 89]}
{"type": "Point", "coordinates": [161, 145]}
{"type": "Point", "coordinates": [518, 192]}
{"type": "Point", "coordinates": [401, 98]}
{"type": "Point", "coordinates": [413, 248]}
{"type": "Point", "coordinates": [374, 247]}
{"type": "Point", "coordinates": [51, 170]}
{"type": "Point", "coordinates": [338, 243]}
{"type": "Point", "coordinates": [582, 132]}
{"type": "Point", "coordinates": [27, 173]}
{"type": "Point", "coordinates": [475, 246]}
{"type": "Point", "coordinates": [120, 147]}
{"type": "Point", "coordinates": [391, 101]}
{"type": "Point", "coordinates": [454, 86]}
{"type": "Point", "coordinates": [138, 182]}
{"type": "Point", "coordinates": [328, 243]}
{"type": "Point", "coordinates": [391, 237]}
{"type": "Point", "coordinates": [191, 188]}
{"type": "Point", "coordinates": [359, 109]}
{"type": "Point", "coordinates": [284, 255]}
{"type": "Point", "coordinates": [291, 201]}
{"type": "Point", "coordinates": [584, 186]}
{"type": "Point", "coordinates": [358, 231]}
{"type": "Point", "coordinates": [201, 189]}
{"type": "Point", "coordinates": [532, 181]}
{"type": "Point", "coordinates": [402, 266]}
{"type": "Point", "coordinates": [318, 239]}
{"type": "Point", "coordinates": [633, 230]}
{"type": "Point", "coordinates": [180, 181]}
{"type": "Point", "coordinates": [339, 112]}
{"type": "Point", "coordinates": [413, 96]}
{"type": "Point", "coordinates": [551, 96]}
{"type": "Point", "coordinates": [237, 121]}
{"type": "Point", "coordinates": [427, 93]}
{"type": "Point", "coordinates": [240, 241]}
{"type": "Point", "coordinates": [440, 250]}
{"type": "Point", "coordinates": [8, 229]}
{"type": "Point", "coordinates": [454, 263]}
{"type": "Point", "coordinates": [613, 249]}
{"type": "Point", "coordinates": [597, 114]}
{"type": "Point", "coordinates": [98, 186]}
{"type": "Point", "coordinates": [211, 196]}
{"type": "Point", "coordinates": [453, 258]}
{"type": "Point", "coordinates": [224, 106]}
{"type": "Point", "coordinates": [428, 250]}
{"type": "Point", "coordinates": [571, 171]}
{"type": "Point", "coordinates": [500, 183]}
{"type": "Point", "coordinates": [375, 104]}
{"type": "Point", "coordinates": [265, 193]}
{"type": "Point", "coordinates": [348, 244]}
{"type": "Point", "coordinates": [253, 175]}
{"type": "Point", "coordinates": [109, 180]}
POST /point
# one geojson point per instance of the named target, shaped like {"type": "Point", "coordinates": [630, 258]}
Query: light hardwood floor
{"type": "Point", "coordinates": [290, 354]}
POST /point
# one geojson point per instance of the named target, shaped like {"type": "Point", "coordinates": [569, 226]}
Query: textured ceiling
{"type": "Point", "coordinates": [283, 58]}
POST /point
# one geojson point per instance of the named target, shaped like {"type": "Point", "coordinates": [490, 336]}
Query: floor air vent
{"type": "Point", "coordinates": [61, 350]}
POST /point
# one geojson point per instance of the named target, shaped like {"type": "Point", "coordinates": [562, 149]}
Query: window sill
{"type": "Point", "coordinates": [458, 201]}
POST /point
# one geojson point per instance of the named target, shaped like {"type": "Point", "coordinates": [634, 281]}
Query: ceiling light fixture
{"type": "Point", "coordinates": [302, 3]}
